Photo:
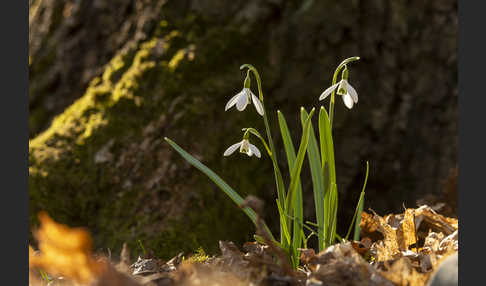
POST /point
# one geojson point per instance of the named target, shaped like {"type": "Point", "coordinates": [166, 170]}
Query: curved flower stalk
{"type": "Point", "coordinates": [245, 97]}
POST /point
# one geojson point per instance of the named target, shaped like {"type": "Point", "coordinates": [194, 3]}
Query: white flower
{"type": "Point", "coordinates": [349, 94]}
{"type": "Point", "coordinates": [242, 99]}
{"type": "Point", "coordinates": [245, 147]}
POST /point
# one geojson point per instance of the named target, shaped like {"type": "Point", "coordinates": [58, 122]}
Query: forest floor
{"type": "Point", "coordinates": [397, 249]}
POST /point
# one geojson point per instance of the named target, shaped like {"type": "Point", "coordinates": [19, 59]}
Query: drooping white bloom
{"type": "Point", "coordinates": [349, 94]}
{"type": "Point", "coordinates": [245, 147]}
{"type": "Point", "coordinates": [242, 99]}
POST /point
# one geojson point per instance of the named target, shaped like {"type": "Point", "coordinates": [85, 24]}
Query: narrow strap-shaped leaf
{"type": "Point", "coordinates": [298, 207]}
{"type": "Point", "coordinates": [329, 173]}
{"type": "Point", "coordinates": [333, 222]}
{"type": "Point", "coordinates": [283, 222]}
{"type": "Point", "coordinates": [328, 142]}
{"type": "Point", "coordinates": [295, 174]}
{"type": "Point", "coordinates": [287, 140]}
{"type": "Point", "coordinates": [359, 208]}
{"type": "Point", "coordinates": [280, 191]}
{"type": "Point", "coordinates": [323, 122]}
{"type": "Point", "coordinates": [313, 155]}
{"type": "Point", "coordinates": [360, 205]}
{"type": "Point", "coordinates": [218, 181]}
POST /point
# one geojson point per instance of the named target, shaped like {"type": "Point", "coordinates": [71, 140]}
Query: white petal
{"type": "Point", "coordinates": [242, 101]}
{"type": "Point", "coordinates": [353, 93]}
{"type": "Point", "coordinates": [343, 87]}
{"type": "Point", "coordinates": [232, 101]}
{"type": "Point", "coordinates": [258, 104]}
{"type": "Point", "coordinates": [348, 100]}
{"type": "Point", "coordinates": [255, 150]}
{"type": "Point", "coordinates": [328, 91]}
{"type": "Point", "coordinates": [231, 149]}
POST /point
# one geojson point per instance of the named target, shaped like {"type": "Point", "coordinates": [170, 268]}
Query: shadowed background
{"type": "Point", "coordinates": [110, 79]}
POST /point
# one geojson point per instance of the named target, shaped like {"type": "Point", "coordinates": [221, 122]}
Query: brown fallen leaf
{"type": "Point", "coordinates": [362, 247]}
{"type": "Point", "coordinates": [406, 233]}
{"type": "Point", "coordinates": [34, 274]}
{"type": "Point", "coordinates": [65, 251]}
{"type": "Point", "coordinates": [341, 265]}
{"type": "Point", "coordinates": [402, 273]}
{"type": "Point", "coordinates": [426, 218]}
{"type": "Point", "coordinates": [307, 255]}
{"type": "Point", "coordinates": [369, 227]}
{"type": "Point", "coordinates": [387, 249]}
{"type": "Point", "coordinates": [432, 242]}
{"type": "Point", "coordinates": [198, 274]}
{"type": "Point", "coordinates": [450, 243]}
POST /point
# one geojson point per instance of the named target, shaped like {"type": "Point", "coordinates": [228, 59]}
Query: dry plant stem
{"type": "Point", "coordinates": [334, 79]}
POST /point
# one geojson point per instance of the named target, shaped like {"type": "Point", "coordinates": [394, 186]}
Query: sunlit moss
{"type": "Point", "coordinates": [174, 62]}
{"type": "Point", "coordinates": [200, 256]}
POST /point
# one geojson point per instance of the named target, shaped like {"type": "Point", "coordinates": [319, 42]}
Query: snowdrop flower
{"type": "Point", "coordinates": [349, 94]}
{"type": "Point", "coordinates": [245, 147]}
{"type": "Point", "coordinates": [245, 97]}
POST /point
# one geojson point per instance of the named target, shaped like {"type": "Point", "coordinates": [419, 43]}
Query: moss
{"type": "Point", "coordinates": [140, 88]}
{"type": "Point", "coordinates": [200, 256]}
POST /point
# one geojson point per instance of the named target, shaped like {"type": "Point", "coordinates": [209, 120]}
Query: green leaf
{"type": "Point", "coordinates": [219, 182]}
{"type": "Point", "coordinates": [359, 208]}
{"type": "Point", "coordinates": [295, 174]}
{"type": "Point", "coordinates": [314, 156]}
{"type": "Point", "coordinates": [283, 222]}
{"type": "Point", "coordinates": [360, 205]}
{"type": "Point", "coordinates": [326, 140]}
{"type": "Point", "coordinates": [329, 175]}
{"type": "Point", "coordinates": [333, 219]}
{"type": "Point", "coordinates": [298, 206]}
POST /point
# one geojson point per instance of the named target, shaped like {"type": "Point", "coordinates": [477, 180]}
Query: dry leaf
{"type": "Point", "coordinates": [341, 265]}
{"type": "Point", "coordinates": [403, 273]}
{"type": "Point", "coordinates": [431, 220]}
{"type": "Point", "coordinates": [449, 243]}
{"type": "Point", "coordinates": [406, 234]}
{"type": "Point", "coordinates": [388, 248]}
{"type": "Point", "coordinates": [65, 251]}
{"type": "Point", "coordinates": [198, 274]}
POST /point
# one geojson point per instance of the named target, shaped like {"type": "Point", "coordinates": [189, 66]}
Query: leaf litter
{"type": "Point", "coordinates": [397, 249]}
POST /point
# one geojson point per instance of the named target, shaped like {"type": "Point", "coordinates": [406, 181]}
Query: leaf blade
{"type": "Point", "coordinates": [218, 181]}
{"type": "Point", "coordinates": [298, 207]}
{"type": "Point", "coordinates": [314, 159]}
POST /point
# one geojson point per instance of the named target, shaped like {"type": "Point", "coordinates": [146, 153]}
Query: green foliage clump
{"type": "Point", "coordinates": [321, 160]}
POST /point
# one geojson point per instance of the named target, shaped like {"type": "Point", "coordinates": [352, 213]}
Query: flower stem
{"type": "Point", "coordinates": [334, 79]}
{"type": "Point", "coordinates": [278, 175]}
